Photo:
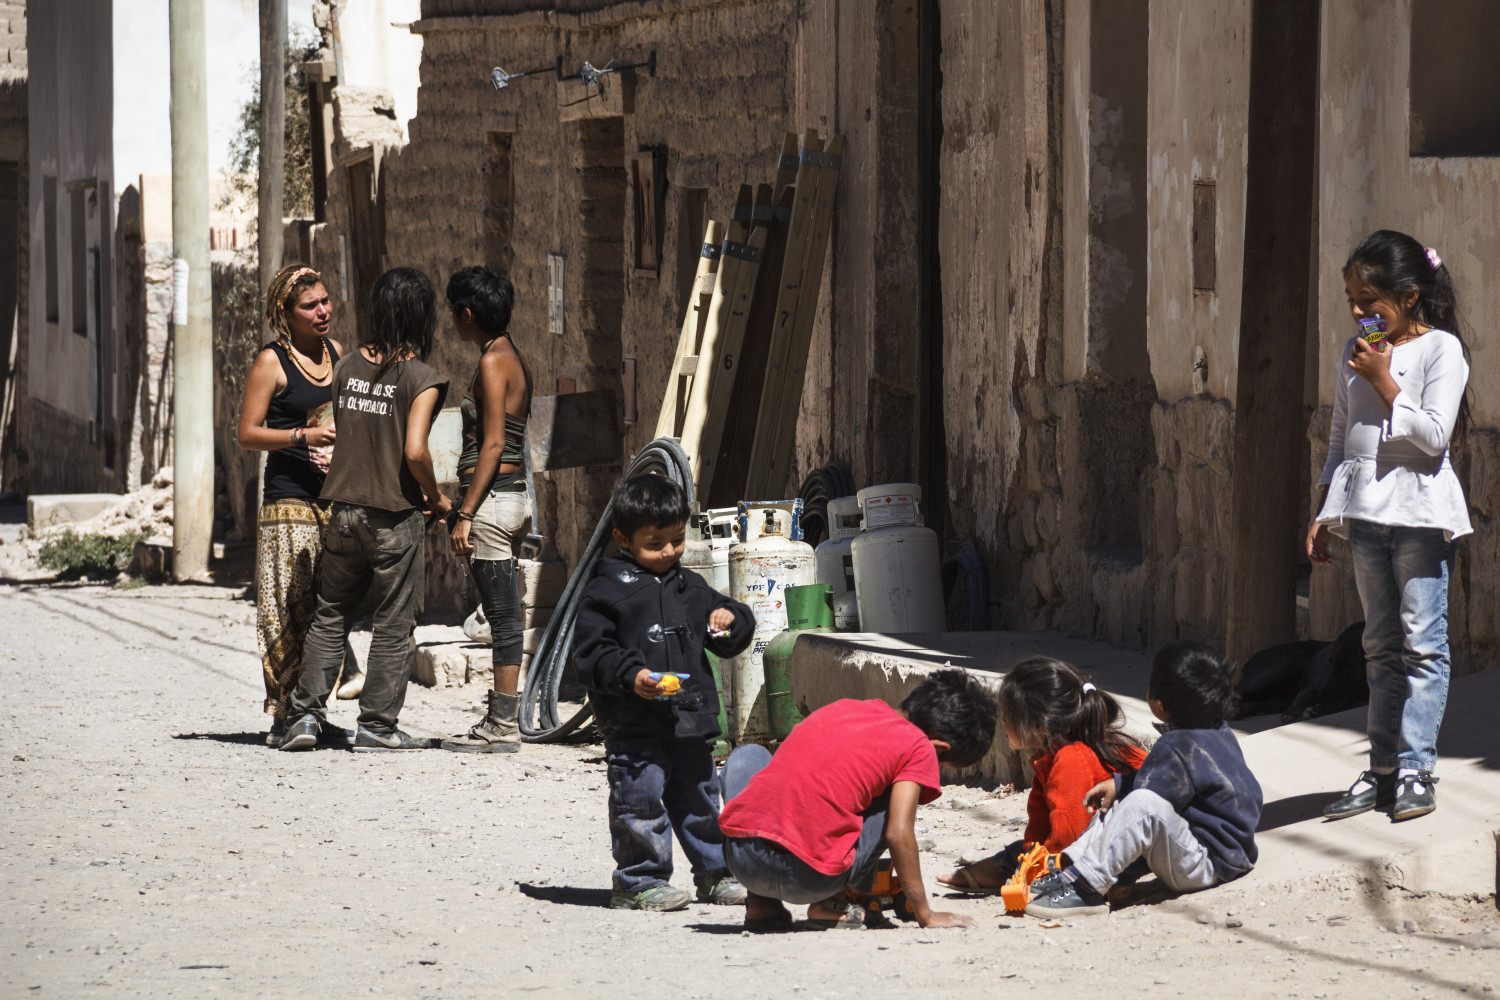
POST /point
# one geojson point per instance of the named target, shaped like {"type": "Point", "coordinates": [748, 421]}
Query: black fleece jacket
{"type": "Point", "coordinates": [632, 619]}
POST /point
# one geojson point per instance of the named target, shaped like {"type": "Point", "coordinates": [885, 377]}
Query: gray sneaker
{"type": "Point", "coordinates": [720, 888]}
{"type": "Point", "coordinates": [369, 741]}
{"type": "Point", "coordinates": [276, 733]}
{"type": "Point", "coordinates": [659, 898]}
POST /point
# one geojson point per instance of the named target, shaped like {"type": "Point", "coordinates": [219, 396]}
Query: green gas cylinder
{"type": "Point", "coordinates": [808, 609]}
{"type": "Point", "coordinates": [719, 744]}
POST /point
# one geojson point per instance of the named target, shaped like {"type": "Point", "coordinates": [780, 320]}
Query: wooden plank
{"type": "Point", "coordinates": [798, 231]}
{"type": "Point", "coordinates": [786, 167]}
{"type": "Point", "coordinates": [728, 486]}
{"type": "Point", "coordinates": [796, 308]}
{"type": "Point", "coordinates": [707, 407]}
{"type": "Point", "coordinates": [1267, 509]}
{"type": "Point", "coordinates": [680, 376]}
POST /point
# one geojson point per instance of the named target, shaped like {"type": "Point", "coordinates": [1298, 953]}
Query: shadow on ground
{"type": "Point", "coordinates": [566, 895]}
{"type": "Point", "coordinates": [1294, 809]}
{"type": "Point", "coordinates": [239, 739]}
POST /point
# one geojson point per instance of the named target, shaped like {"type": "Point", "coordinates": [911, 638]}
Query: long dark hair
{"type": "Point", "coordinates": [1394, 263]}
{"type": "Point", "coordinates": [1047, 696]}
{"type": "Point", "coordinates": [403, 316]}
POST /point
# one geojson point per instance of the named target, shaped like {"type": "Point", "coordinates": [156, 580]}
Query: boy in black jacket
{"type": "Point", "coordinates": [1191, 810]}
{"type": "Point", "coordinates": [642, 615]}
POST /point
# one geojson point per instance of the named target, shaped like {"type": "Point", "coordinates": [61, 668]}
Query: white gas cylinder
{"type": "Point", "coordinates": [769, 558]}
{"type": "Point", "coordinates": [709, 536]}
{"type": "Point", "coordinates": [898, 570]}
{"type": "Point", "coordinates": [835, 566]}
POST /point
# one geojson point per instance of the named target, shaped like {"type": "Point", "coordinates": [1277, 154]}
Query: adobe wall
{"type": "Point", "coordinates": [1368, 181]}
{"type": "Point", "coordinates": [718, 107]}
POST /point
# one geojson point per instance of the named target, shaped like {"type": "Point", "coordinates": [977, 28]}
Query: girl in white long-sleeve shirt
{"type": "Point", "coordinates": [1391, 491]}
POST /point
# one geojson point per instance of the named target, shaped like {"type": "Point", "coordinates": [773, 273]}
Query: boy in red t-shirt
{"type": "Point", "coordinates": [805, 826]}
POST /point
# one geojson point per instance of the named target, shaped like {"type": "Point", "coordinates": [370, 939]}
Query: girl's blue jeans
{"type": "Point", "coordinates": [1402, 575]}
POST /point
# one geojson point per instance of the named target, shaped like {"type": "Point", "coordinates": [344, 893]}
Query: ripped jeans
{"type": "Point", "coordinates": [500, 597]}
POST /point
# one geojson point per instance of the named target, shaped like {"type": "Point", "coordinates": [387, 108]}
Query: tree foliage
{"type": "Point", "coordinates": [237, 292]}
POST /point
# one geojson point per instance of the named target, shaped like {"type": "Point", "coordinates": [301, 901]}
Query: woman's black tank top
{"type": "Point", "coordinates": [297, 473]}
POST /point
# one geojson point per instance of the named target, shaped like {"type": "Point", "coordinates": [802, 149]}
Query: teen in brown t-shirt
{"type": "Point", "coordinates": [381, 483]}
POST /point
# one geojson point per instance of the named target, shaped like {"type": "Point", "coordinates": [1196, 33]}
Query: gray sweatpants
{"type": "Point", "coordinates": [1141, 825]}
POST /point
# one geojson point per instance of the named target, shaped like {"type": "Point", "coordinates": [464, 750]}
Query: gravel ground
{"type": "Point", "coordinates": [155, 847]}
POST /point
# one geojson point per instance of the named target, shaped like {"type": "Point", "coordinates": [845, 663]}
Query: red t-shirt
{"type": "Point", "coordinates": [833, 765]}
{"type": "Point", "coordinates": [1055, 813]}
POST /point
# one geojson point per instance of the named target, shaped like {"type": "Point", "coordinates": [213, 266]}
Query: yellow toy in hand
{"type": "Point", "coordinates": [669, 683]}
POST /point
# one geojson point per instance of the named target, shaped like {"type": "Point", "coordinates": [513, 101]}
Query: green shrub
{"type": "Point", "coordinates": [73, 555]}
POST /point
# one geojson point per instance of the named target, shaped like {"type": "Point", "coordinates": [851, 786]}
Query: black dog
{"type": "Point", "coordinates": [1303, 680]}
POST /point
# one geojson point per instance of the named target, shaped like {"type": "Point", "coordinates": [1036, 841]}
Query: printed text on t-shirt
{"type": "Point", "coordinates": [360, 396]}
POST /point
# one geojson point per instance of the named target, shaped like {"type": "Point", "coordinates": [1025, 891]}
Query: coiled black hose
{"type": "Point", "coordinates": [831, 482]}
{"type": "Point", "coordinates": [538, 709]}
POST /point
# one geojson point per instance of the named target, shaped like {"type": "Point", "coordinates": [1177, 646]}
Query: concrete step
{"type": "Point", "coordinates": [50, 510]}
{"type": "Point", "coordinates": [829, 666]}
{"type": "Point", "coordinates": [1301, 767]}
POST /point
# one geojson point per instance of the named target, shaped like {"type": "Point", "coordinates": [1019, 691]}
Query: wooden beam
{"type": "Point", "coordinates": [1267, 518]}
{"type": "Point", "coordinates": [796, 309]}
{"type": "Point", "coordinates": [685, 362]}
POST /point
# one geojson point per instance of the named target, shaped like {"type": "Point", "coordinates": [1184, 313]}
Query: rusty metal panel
{"type": "Point", "coordinates": [574, 429]}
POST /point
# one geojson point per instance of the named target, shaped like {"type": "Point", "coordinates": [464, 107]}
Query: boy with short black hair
{"type": "Point", "coordinates": [643, 615]}
{"type": "Point", "coordinates": [1190, 811]}
{"type": "Point", "coordinates": [814, 821]}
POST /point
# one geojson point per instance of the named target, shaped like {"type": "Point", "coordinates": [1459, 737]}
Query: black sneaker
{"type": "Point", "coordinates": [1071, 899]}
{"type": "Point", "coordinates": [1415, 796]}
{"type": "Point", "coordinates": [335, 736]}
{"type": "Point", "coordinates": [1379, 793]}
{"type": "Point", "coordinates": [302, 734]}
{"type": "Point", "coordinates": [369, 741]}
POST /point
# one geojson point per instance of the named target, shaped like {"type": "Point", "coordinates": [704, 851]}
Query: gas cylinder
{"type": "Point", "coordinates": [709, 535]}
{"type": "Point", "coordinates": [835, 568]}
{"type": "Point", "coordinates": [769, 558]}
{"type": "Point", "coordinates": [808, 609]}
{"type": "Point", "coordinates": [697, 551]}
{"type": "Point", "coordinates": [898, 570]}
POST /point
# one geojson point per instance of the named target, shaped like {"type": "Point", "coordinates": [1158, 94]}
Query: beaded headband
{"type": "Point", "coordinates": [293, 280]}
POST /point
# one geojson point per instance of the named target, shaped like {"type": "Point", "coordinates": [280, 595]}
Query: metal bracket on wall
{"type": "Point", "coordinates": [590, 74]}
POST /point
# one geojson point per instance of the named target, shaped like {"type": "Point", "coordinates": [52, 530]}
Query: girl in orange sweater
{"type": "Point", "coordinates": [1048, 704]}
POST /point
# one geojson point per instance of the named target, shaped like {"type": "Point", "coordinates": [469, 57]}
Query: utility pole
{"type": "Point", "coordinates": [192, 333]}
{"type": "Point", "coordinates": [272, 137]}
{"type": "Point", "coordinates": [272, 169]}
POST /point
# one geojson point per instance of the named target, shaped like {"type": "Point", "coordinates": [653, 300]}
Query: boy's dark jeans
{"type": "Point", "coordinates": [379, 552]}
{"type": "Point", "coordinates": [767, 869]}
{"type": "Point", "coordinates": [657, 786]}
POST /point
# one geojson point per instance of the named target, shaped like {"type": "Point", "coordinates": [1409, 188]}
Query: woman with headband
{"type": "Point", "coordinates": [287, 412]}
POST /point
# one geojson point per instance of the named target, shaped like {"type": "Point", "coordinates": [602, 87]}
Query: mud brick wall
{"type": "Point", "coordinates": [717, 110]}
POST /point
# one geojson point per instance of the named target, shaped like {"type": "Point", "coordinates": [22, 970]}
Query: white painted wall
{"type": "Point", "coordinates": [379, 51]}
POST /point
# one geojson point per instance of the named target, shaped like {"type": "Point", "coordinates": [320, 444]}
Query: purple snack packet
{"type": "Point", "coordinates": [1372, 330]}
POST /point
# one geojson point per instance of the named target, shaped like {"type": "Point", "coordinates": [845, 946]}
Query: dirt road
{"type": "Point", "coordinates": [153, 846]}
